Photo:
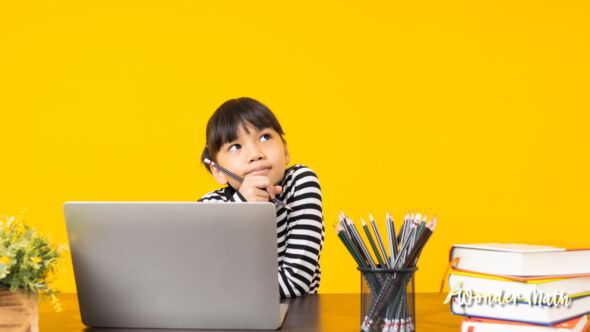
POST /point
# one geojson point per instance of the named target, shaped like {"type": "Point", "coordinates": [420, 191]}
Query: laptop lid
{"type": "Point", "coordinates": [175, 264]}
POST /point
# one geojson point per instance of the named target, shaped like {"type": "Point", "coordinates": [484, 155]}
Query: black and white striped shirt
{"type": "Point", "coordinates": [300, 233]}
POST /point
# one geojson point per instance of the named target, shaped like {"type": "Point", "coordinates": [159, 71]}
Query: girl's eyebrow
{"type": "Point", "coordinates": [230, 143]}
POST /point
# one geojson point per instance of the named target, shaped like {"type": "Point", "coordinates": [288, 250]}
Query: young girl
{"type": "Point", "coordinates": [245, 137]}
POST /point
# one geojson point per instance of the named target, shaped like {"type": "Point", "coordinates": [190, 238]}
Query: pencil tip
{"type": "Point", "coordinates": [432, 223]}
{"type": "Point", "coordinates": [363, 222]}
{"type": "Point", "coordinates": [389, 217]}
{"type": "Point", "coordinates": [207, 161]}
{"type": "Point", "coordinates": [343, 216]}
{"type": "Point", "coordinates": [337, 227]}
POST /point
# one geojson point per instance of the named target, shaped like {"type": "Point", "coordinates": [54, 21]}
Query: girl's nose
{"type": "Point", "coordinates": [255, 154]}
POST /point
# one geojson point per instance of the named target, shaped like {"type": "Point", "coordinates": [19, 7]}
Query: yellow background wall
{"type": "Point", "coordinates": [477, 112]}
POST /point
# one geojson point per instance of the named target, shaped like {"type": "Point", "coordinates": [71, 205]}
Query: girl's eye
{"type": "Point", "coordinates": [234, 147]}
{"type": "Point", "coordinates": [265, 137]}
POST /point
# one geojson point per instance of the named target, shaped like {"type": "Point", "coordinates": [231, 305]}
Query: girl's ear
{"type": "Point", "coordinates": [287, 157]}
{"type": "Point", "coordinates": [218, 175]}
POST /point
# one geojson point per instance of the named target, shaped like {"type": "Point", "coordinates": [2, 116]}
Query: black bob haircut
{"type": "Point", "coordinates": [224, 124]}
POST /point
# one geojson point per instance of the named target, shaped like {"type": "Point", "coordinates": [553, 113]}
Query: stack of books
{"type": "Point", "coordinates": [515, 287]}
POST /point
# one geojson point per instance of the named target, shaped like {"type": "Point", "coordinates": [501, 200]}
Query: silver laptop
{"type": "Point", "coordinates": [178, 265]}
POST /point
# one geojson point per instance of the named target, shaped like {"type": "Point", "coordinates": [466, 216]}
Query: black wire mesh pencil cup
{"type": "Point", "coordinates": [387, 299]}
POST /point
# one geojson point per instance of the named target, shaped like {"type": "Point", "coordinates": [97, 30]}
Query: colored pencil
{"type": "Point", "coordinates": [379, 241]}
{"type": "Point", "coordinates": [382, 263]}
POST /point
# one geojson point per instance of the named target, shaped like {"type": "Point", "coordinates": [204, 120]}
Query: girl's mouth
{"type": "Point", "coordinates": [259, 171]}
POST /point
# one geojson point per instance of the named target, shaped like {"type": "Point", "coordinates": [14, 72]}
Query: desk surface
{"type": "Point", "coordinates": [323, 312]}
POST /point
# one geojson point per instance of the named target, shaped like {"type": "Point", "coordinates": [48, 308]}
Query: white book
{"type": "Point", "coordinates": [523, 312]}
{"type": "Point", "coordinates": [522, 288]}
{"type": "Point", "coordinates": [578, 324]}
{"type": "Point", "coordinates": [521, 259]}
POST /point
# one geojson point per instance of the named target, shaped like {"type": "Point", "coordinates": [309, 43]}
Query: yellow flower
{"type": "Point", "coordinates": [36, 260]}
{"type": "Point", "coordinates": [5, 260]}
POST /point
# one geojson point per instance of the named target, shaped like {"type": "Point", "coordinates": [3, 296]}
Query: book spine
{"type": "Point", "coordinates": [451, 252]}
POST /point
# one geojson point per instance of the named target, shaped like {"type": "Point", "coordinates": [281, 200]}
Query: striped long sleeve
{"type": "Point", "coordinates": [300, 232]}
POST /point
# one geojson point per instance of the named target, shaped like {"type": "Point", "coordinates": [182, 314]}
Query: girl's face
{"type": "Point", "coordinates": [254, 152]}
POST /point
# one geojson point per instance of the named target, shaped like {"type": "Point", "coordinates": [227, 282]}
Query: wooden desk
{"type": "Point", "coordinates": [323, 312]}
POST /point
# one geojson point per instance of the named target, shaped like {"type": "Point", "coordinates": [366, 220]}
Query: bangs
{"type": "Point", "coordinates": [225, 123]}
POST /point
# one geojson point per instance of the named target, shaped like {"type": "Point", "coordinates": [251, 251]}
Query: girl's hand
{"type": "Point", "coordinates": [257, 188]}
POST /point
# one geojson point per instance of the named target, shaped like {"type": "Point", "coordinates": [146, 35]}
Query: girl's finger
{"type": "Point", "coordinates": [271, 191]}
{"type": "Point", "coordinates": [262, 193]}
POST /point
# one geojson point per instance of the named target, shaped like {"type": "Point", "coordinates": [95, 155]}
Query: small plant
{"type": "Point", "coordinates": [28, 259]}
